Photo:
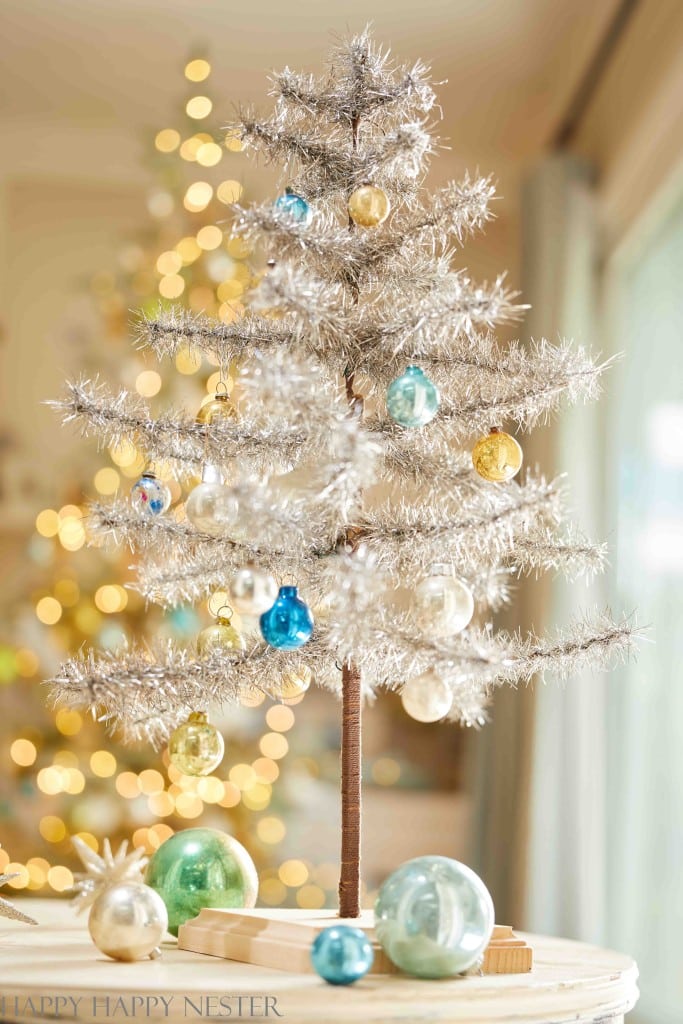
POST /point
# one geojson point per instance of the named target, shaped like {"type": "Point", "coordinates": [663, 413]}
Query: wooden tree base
{"type": "Point", "coordinates": [282, 939]}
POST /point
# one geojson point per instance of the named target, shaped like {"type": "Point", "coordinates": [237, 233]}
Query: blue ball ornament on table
{"type": "Point", "coordinates": [288, 625]}
{"type": "Point", "coordinates": [412, 398]}
{"type": "Point", "coordinates": [434, 917]}
{"type": "Point", "coordinates": [341, 954]}
{"type": "Point", "coordinates": [150, 495]}
{"type": "Point", "coordinates": [296, 206]}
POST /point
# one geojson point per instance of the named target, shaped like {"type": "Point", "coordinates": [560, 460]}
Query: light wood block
{"type": "Point", "coordinates": [282, 939]}
{"type": "Point", "coordinates": [571, 983]}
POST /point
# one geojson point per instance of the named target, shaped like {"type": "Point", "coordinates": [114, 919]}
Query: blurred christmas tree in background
{"type": "Point", "coordinates": [62, 775]}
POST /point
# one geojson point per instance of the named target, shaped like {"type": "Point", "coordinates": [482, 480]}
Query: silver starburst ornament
{"type": "Point", "coordinates": [104, 871]}
{"type": "Point", "coordinates": [7, 909]}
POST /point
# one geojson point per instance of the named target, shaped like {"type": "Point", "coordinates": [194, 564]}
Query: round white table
{"type": "Point", "coordinates": [53, 970]}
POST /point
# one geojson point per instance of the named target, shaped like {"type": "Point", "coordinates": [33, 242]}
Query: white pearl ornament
{"type": "Point", "coordinates": [427, 698]}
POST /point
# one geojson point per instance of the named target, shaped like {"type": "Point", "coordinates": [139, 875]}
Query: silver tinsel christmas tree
{"type": "Point", "coordinates": [325, 482]}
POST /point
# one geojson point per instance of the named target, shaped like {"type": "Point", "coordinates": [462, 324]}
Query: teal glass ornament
{"type": "Point", "coordinates": [150, 495]}
{"type": "Point", "coordinates": [434, 917]}
{"type": "Point", "coordinates": [412, 399]}
{"type": "Point", "coordinates": [201, 867]}
{"type": "Point", "coordinates": [296, 206]}
{"type": "Point", "coordinates": [341, 954]}
{"type": "Point", "coordinates": [289, 623]}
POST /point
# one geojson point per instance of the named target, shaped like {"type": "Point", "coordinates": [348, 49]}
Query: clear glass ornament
{"type": "Point", "coordinates": [369, 206]}
{"type": "Point", "coordinates": [150, 495]}
{"type": "Point", "coordinates": [217, 409]}
{"type": "Point", "coordinates": [221, 635]}
{"type": "Point", "coordinates": [427, 698]}
{"type": "Point", "coordinates": [296, 206]}
{"type": "Point", "coordinates": [196, 747]}
{"type": "Point", "coordinates": [211, 506]}
{"type": "Point", "coordinates": [443, 605]}
{"type": "Point", "coordinates": [128, 921]}
{"type": "Point", "coordinates": [497, 457]}
{"type": "Point", "coordinates": [412, 398]}
{"type": "Point", "coordinates": [252, 591]}
{"type": "Point", "coordinates": [201, 867]}
{"type": "Point", "coordinates": [295, 684]}
{"type": "Point", "coordinates": [434, 917]}
{"type": "Point", "coordinates": [342, 954]}
{"type": "Point", "coordinates": [289, 623]}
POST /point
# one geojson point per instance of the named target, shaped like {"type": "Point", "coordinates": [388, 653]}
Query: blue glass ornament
{"type": "Point", "coordinates": [289, 623]}
{"type": "Point", "coordinates": [434, 917]}
{"type": "Point", "coordinates": [296, 206]}
{"type": "Point", "coordinates": [150, 495]}
{"type": "Point", "coordinates": [412, 399]}
{"type": "Point", "coordinates": [341, 954]}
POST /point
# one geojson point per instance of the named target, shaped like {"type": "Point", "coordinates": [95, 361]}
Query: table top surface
{"type": "Point", "coordinates": [57, 960]}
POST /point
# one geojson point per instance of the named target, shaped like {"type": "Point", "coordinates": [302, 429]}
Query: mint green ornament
{"type": "Point", "coordinates": [412, 398]}
{"type": "Point", "coordinates": [201, 867]}
{"type": "Point", "coordinates": [434, 917]}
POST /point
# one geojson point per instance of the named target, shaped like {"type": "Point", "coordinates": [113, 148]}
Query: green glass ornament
{"type": "Point", "coordinates": [201, 867]}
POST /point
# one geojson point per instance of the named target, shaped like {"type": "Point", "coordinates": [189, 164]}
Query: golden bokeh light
{"type": "Point", "coordinates": [209, 237]}
{"type": "Point", "coordinates": [228, 312]}
{"type": "Point", "coordinates": [23, 752]}
{"type": "Point", "coordinates": [52, 828]}
{"type": "Point", "coordinates": [209, 154]}
{"type": "Point", "coordinates": [75, 782]}
{"type": "Point", "coordinates": [189, 805]}
{"type": "Point", "coordinates": [107, 480]}
{"type": "Point", "coordinates": [111, 598]}
{"type": "Point", "coordinates": [89, 839]}
{"type": "Point", "coordinates": [197, 70]}
{"type": "Point", "coordinates": [201, 301]}
{"type": "Point", "coordinates": [229, 191]}
{"type": "Point", "coordinates": [242, 775]}
{"type": "Point", "coordinates": [210, 789]}
{"type": "Point", "coordinates": [48, 611]}
{"type": "Point", "coordinates": [274, 745]}
{"type": "Point", "coordinates": [169, 262]}
{"type": "Point", "coordinates": [238, 248]}
{"type": "Point", "coordinates": [67, 592]}
{"type": "Point", "coordinates": [293, 873]}
{"type": "Point", "coordinates": [151, 782]}
{"type": "Point", "coordinates": [60, 878]}
{"type": "Point", "coordinates": [233, 142]}
{"type": "Point", "coordinates": [198, 196]}
{"type": "Point", "coordinates": [188, 250]}
{"type": "Point", "coordinates": [47, 522]}
{"type": "Point", "coordinates": [123, 454]}
{"type": "Point", "coordinates": [71, 533]}
{"type": "Point", "coordinates": [198, 107]}
{"type": "Point", "coordinates": [68, 721]}
{"type": "Point", "coordinates": [266, 769]}
{"type": "Point", "coordinates": [280, 718]}
{"type": "Point", "coordinates": [386, 771]}
{"type": "Point", "coordinates": [227, 291]}
{"type": "Point", "coordinates": [257, 797]}
{"type": "Point", "coordinates": [102, 763]}
{"type": "Point", "coordinates": [148, 383]}
{"type": "Point", "coordinates": [167, 140]}
{"type": "Point", "coordinates": [128, 785]}
{"type": "Point", "coordinates": [272, 892]}
{"type": "Point", "coordinates": [21, 871]}
{"type": "Point", "coordinates": [171, 287]}
{"type": "Point", "coordinates": [27, 662]}
{"type": "Point", "coordinates": [188, 361]}
{"type": "Point", "coordinates": [310, 897]}
{"type": "Point", "coordinates": [271, 830]}
{"type": "Point", "coordinates": [161, 804]}
{"type": "Point", "coordinates": [231, 795]}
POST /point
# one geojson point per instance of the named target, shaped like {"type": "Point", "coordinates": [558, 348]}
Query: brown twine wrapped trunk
{"type": "Point", "coordinates": [349, 878]}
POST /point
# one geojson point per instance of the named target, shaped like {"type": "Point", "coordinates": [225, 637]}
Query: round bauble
{"type": "Point", "coordinates": [443, 605]}
{"type": "Point", "coordinates": [220, 636]}
{"type": "Point", "coordinates": [434, 917]}
{"type": "Point", "coordinates": [296, 207]}
{"type": "Point", "coordinates": [426, 697]}
{"type": "Point", "coordinates": [369, 206]}
{"type": "Point", "coordinates": [412, 398]}
{"type": "Point", "coordinates": [150, 495]}
{"type": "Point", "coordinates": [341, 954]}
{"type": "Point", "coordinates": [218, 409]}
{"type": "Point", "coordinates": [252, 591]}
{"type": "Point", "coordinates": [288, 625]}
{"type": "Point", "coordinates": [128, 921]}
{"type": "Point", "coordinates": [294, 684]}
{"type": "Point", "coordinates": [196, 747]}
{"type": "Point", "coordinates": [497, 457]}
{"type": "Point", "coordinates": [213, 509]}
{"type": "Point", "coordinates": [201, 867]}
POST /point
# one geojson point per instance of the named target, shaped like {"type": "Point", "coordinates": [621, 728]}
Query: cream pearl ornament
{"type": "Point", "coordinates": [252, 591]}
{"type": "Point", "coordinates": [427, 698]}
{"type": "Point", "coordinates": [128, 921]}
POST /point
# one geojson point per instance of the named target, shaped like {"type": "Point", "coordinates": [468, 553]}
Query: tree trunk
{"type": "Point", "coordinates": [349, 879]}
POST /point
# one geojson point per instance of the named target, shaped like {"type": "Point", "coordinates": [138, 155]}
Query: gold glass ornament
{"type": "Point", "coordinates": [295, 683]}
{"type": "Point", "coordinates": [497, 457]}
{"type": "Point", "coordinates": [217, 409]}
{"type": "Point", "coordinates": [196, 747]}
{"type": "Point", "coordinates": [220, 636]}
{"type": "Point", "coordinates": [369, 206]}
